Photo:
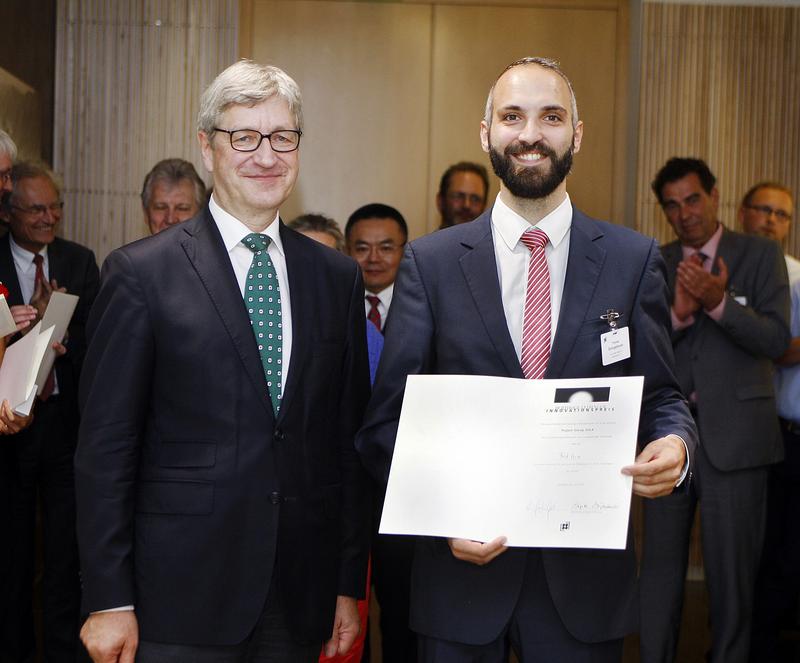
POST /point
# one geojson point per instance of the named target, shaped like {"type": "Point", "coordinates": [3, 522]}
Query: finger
{"type": "Point", "coordinates": [332, 645]}
{"type": "Point", "coordinates": [128, 653]}
{"type": "Point", "coordinates": [476, 552]}
{"type": "Point", "coordinates": [347, 639]}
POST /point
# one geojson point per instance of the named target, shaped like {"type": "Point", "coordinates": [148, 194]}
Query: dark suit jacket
{"type": "Point", "coordinates": [75, 268]}
{"type": "Point", "coordinates": [729, 364]}
{"type": "Point", "coordinates": [189, 491]}
{"type": "Point", "coordinates": [447, 317]}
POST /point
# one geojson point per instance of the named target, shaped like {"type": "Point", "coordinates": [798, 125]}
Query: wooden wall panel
{"type": "Point", "coordinates": [20, 113]}
{"type": "Point", "coordinates": [472, 46]}
{"type": "Point", "coordinates": [412, 77]}
{"type": "Point", "coordinates": [128, 81]}
{"type": "Point", "coordinates": [364, 71]}
{"type": "Point", "coordinates": [720, 83]}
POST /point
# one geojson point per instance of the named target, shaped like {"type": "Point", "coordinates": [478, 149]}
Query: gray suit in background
{"type": "Point", "coordinates": [725, 368]}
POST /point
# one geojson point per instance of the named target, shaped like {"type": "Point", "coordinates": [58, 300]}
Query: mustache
{"type": "Point", "coordinates": [519, 147]}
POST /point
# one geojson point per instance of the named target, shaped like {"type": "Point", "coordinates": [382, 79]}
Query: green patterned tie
{"type": "Point", "coordinates": [263, 298]}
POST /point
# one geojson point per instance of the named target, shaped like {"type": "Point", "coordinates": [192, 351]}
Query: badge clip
{"type": "Point", "coordinates": [611, 317]}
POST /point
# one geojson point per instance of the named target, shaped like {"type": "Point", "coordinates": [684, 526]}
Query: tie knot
{"type": "Point", "coordinates": [38, 259]}
{"type": "Point", "coordinates": [534, 239]}
{"type": "Point", "coordinates": [373, 299]}
{"type": "Point", "coordinates": [256, 242]}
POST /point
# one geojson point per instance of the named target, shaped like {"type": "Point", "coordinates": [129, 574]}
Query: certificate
{"type": "Point", "coordinates": [536, 461]}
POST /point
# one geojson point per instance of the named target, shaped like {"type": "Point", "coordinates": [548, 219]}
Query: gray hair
{"type": "Point", "coordinates": [7, 145]}
{"type": "Point", "coordinates": [172, 172]}
{"type": "Point", "coordinates": [547, 63]}
{"type": "Point", "coordinates": [321, 224]}
{"type": "Point", "coordinates": [247, 83]}
{"type": "Point", "coordinates": [28, 170]}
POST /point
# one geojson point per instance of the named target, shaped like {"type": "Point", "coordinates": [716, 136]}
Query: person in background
{"type": "Point", "coordinates": [766, 210]}
{"type": "Point", "coordinates": [321, 228]}
{"type": "Point", "coordinates": [729, 315]}
{"type": "Point", "coordinates": [34, 263]}
{"type": "Point", "coordinates": [463, 193]}
{"type": "Point", "coordinates": [172, 192]}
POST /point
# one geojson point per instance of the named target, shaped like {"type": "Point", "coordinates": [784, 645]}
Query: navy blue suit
{"type": "Point", "coordinates": [192, 496]}
{"type": "Point", "coordinates": [447, 317]}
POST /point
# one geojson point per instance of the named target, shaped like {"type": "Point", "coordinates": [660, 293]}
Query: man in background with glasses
{"type": "Point", "coordinates": [222, 509]}
{"type": "Point", "coordinates": [463, 192]}
{"type": "Point", "coordinates": [766, 210]}
{"type": "Point", "coordinates": [34, 263]}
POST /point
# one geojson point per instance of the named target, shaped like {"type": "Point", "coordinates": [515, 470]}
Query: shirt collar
{"type": "Point", "coordinates": [22, 257]}
{"type": "Point", "coordinates": [709, 249]}
{"type": "Point", "coordinates": [233, 230]}
{"type": "Point", "coordinates": [511, 225]}
{"type": "Point", "coordinates": [384, 295]}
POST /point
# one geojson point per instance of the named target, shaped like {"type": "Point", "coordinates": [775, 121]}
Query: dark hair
{"type": "Point", "coordinates": [376, 211]}
{"type": "Point", "coordinates": [679, 167]}
{"type": "Point", "coordinates": [172, 172]}
{"type": "Point", "coordinates": [464, 167]}
{"type": "Point", "coordinates": [318, 223]}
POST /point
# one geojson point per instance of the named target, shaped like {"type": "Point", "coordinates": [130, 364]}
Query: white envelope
{"type": "Point", "coordinates": [58, 315]}
{"type": "Point", "coordinates": [7, 324]}
{"type": "Point", "coordinates": [20, 367]}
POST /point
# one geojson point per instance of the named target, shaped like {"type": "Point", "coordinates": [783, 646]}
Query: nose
{"type": "Point", "coordinates": [531, 132]}
{"type": "Point", "coordinates": [265, 155]}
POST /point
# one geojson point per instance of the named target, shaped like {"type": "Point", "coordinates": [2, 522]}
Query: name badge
{"type": "Point", "coordinates": [615, 345]}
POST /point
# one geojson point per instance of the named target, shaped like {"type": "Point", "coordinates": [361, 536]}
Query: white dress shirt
{"type": "Point", "coordinates": [233, 231]}
{"type": "Point", "coordinates": [26, 275]}
{"type": "Point", "coordinates": [26, 268]}
{"type": "Point", "coordinates": [385, 301]}
{"type": "Point", "coordinates": [513, 256]}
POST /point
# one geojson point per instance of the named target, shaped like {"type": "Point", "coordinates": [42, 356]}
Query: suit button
{"type": "Point", "coordinates": [275, 497]}
{"type": "Point", "coordinates": [278, 435]}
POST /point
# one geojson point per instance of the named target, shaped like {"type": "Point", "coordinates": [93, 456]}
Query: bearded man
{"type": "Point", "coordinates": [464, 303]}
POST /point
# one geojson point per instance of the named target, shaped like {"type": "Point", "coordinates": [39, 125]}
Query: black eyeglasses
{"type": "Point", "coordinates": [249, 140]}
{"type": "Point", "coordinates": [766, 210]}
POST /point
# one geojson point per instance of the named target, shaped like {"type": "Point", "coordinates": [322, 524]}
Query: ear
{"type": "Point", "coordinates": [206, 150]}
{"type": "Point", "coordinates": [485, 136]}
{"type": "Point", "coordinates": [577, 137]}
{"type": "Point", "coordinates": [439, 203]}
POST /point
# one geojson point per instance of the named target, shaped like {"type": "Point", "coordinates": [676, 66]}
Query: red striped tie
{"type": "Point", "coordinates": [536, 321]}
{"type": "Point", "coordinates": [374, 315]}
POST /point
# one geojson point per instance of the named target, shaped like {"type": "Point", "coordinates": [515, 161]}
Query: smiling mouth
{"type": "Point", "coordinates": [530, 157]}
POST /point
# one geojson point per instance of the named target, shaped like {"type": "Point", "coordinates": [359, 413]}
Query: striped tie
{"type": "Point", "coordinates": [536, 320]}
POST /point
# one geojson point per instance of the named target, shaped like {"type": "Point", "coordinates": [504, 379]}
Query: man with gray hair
{"type": "Point", "coordinates": [221, 503]}
{"type": "Point", "coordinates": [34, 263]}
{"type": "Point", "coordinates": [172, 192]}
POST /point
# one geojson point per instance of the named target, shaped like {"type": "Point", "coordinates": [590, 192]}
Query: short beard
{"type": "Point", "coordinates": [529, 182]}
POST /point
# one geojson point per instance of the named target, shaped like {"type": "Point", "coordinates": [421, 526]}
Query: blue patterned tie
{"type": "Point", "coordinates": [263, 299]}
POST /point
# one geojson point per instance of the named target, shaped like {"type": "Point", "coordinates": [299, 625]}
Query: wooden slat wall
{"type": "Point", "coordinates": [721, 83]}
{"type": "Point", "coordinates": [128, 81]}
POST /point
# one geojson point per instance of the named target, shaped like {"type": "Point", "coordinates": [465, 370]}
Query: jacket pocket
{"type": "Point", "coordinates": [187, 454]}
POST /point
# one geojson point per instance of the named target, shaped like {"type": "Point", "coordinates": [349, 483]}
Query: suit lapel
{"type": "Point", "coordinates": [205, 250]}
{"type": "Point", "coordinates": [479, 266]}
{"type": "Point", "coordinates": [8, 272]}
{"type": "Point", "coordinates": [299, 268]}
{"type": "Point", "coordinates": [584, 263]}
{"type": "Point", "coordinates": [672, 255]}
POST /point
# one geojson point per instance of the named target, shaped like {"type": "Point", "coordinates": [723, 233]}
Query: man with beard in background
{"type": "Point", "coordinates": [485, 298]}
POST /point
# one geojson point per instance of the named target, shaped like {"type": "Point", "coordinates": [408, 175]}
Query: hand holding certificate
{"type": "Point", "coordinates": [538, 461]}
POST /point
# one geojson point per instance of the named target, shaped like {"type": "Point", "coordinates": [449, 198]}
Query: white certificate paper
{"type": "Point", "coordinates": [20, 366]}
{"type": "Point", "coordinates": [536, 461]}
